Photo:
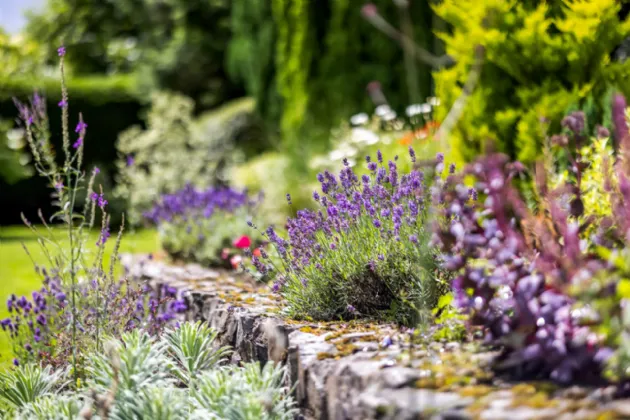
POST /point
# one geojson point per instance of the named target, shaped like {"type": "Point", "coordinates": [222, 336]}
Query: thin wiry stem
{"type": "Point", "coordinates": [419, 53]}
{"type": "Point", "coordinates": [455, 113]}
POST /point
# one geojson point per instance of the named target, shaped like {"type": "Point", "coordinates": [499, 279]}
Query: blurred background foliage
{"type": "Point", "coordinates": [306, 67]}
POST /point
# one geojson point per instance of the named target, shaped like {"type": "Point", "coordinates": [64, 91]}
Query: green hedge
{"type": "Point", "coordinates": [109, 104]}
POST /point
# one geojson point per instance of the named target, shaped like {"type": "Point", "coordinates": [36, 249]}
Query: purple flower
{"type": "Point", "coordinates": [62, 103]}
{"type": "Point", "coordinates": [61, 51]}
{"type": "Point", "coordinates": [130, 160]}
{"type": "Point", "coordinates": [412, 154]}
{"type": "Point", "coordinates": [276, 287]}
{"type": "Point", "coordinates": [103, 237]}
{"type": "Point", "coordinates": [59, 186]}
{"type": "Point", "coordinates": [96, 170]}
{"type": "Point", "coordinates": [16, 362]}
{"type": "Point", "coordinates": [289, 198]}
{"type": "Point", "coordinates": [80, 127]}
{"type": "Point", "coordinates": [60, 296]}
{"type": "Point", "coordinates": [379, 156]}
{"type": "Point", "coordinates": [101, 200]}
{"type": "Point", "coordinates": [77, 143]}
{"type": "Point", "coordinates": [351, 309]}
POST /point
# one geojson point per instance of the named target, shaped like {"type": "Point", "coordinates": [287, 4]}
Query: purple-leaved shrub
{"type": "Point", "coordinates": [364, 252]}
{"type": "Point", "coordinates": [547, 284]}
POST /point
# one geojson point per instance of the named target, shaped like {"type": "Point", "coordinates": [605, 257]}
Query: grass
{"type": "Point", "coordinates": [18, 276]}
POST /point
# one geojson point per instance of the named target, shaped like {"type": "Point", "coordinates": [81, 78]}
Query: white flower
{"type": "Point", "coordinates": [389, 116]}
{"type": "Point", "coordinates": [382, 110]}
{"type": "Point", "coordinates": [363, 135]}
{"type": "Point", "coordinates": [416, 109]}
{"type": "Point", "coordinates": [336, 154]}
{"type": "Point", "coordinates": [359, 119]}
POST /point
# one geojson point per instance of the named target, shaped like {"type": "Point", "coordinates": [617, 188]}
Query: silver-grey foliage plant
{"type": "Point", "coordinates": [180, 376]}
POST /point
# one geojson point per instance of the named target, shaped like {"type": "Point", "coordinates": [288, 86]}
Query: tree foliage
{"type": "Point", "coordinates": [543, 58]}
{"type": "Point", "coordinates": [178, 45]}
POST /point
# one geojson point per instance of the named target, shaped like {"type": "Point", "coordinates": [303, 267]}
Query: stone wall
{"type": "Point", "coordinates": [361, 370]}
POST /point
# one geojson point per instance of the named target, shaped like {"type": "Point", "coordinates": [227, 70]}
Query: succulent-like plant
{"type": "Point", "coordinates": [137, 361]}
{"type": "Point", "coordinates": [51, 407]}
{"type": "Point", "coordinates": [192, 348]}
{"type": "Point", "coordinates": [247, 393]}
{"type": "Point", "coordinates": [25, 384]}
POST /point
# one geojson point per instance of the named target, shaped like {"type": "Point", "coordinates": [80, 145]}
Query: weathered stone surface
{"type": "Point", "coordinates": [363, 371]}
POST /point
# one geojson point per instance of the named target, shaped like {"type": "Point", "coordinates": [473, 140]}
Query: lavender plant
{"type": "Point", "coordinates": [204, 225]}
{"type": "Point", "coordinates": [80, 300]}
{"type": "Point", "coordinates": [365, 252]}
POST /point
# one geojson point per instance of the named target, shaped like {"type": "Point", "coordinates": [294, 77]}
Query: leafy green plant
{"type": "Point", "coordinates": [191, 345]}
{"type": "Point", "coordinates": [25, 384]}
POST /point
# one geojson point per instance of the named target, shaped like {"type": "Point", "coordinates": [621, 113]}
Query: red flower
{"type": "Point", "coordinates": [243, 242]}
{"type": "Point", "coordinates": [236, 261]}
{"type": "Point", "coordinates": [256, 252]}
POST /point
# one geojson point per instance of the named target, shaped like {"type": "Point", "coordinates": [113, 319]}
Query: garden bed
{"type": "Point", "coordinates": [363, 370]}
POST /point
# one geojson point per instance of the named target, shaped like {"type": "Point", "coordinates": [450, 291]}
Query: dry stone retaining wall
{"type": "Point", "coordinates": [359, 371]}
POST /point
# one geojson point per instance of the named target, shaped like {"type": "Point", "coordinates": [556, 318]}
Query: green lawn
{"type": "Point", "coordinates": [16, 269]}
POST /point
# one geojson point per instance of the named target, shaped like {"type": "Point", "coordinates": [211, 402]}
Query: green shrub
{"type": "Point", "coordinates": [52, 407]}
{"type": "Point", "coordinates": [176, 149]}
{"type": "Point", "coordinates": [542, 59]}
